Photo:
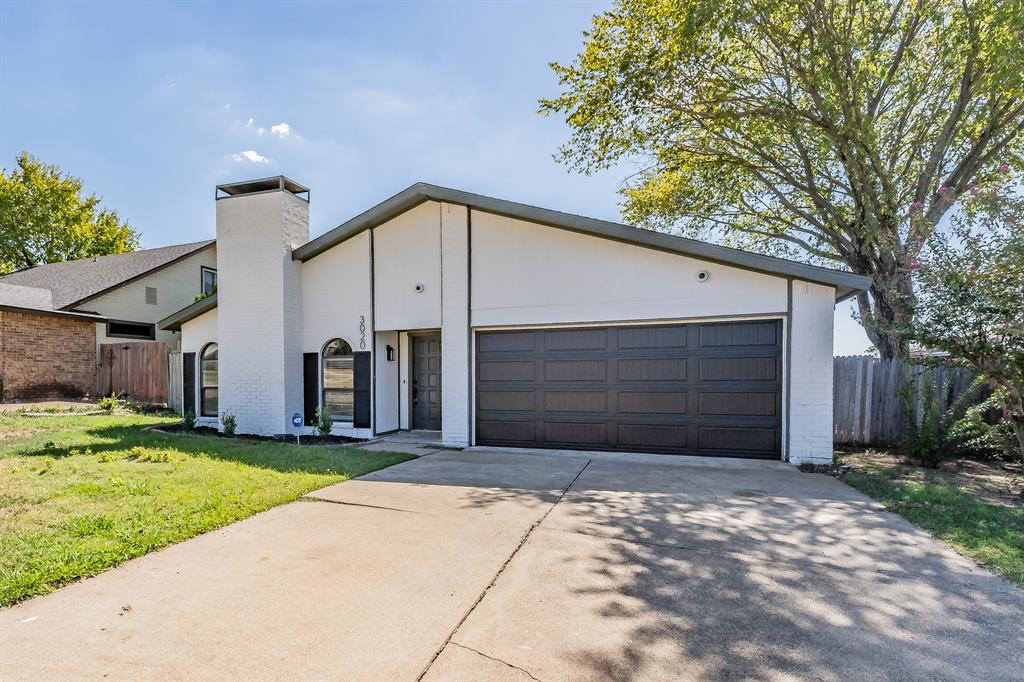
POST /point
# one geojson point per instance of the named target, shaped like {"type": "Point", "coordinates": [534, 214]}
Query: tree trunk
{"type": "Point", "coordinates": [885, 310]}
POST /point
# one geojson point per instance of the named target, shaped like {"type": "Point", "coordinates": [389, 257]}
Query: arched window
{"type": "Point", "coordinates": [208, 381]}
{"type": "Point", "coordinates": [337, 379]}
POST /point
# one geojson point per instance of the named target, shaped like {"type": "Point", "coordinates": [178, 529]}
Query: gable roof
{"type": "Point", "coordinates": [846, 283]}
{"type": "Point", "coordinates": [74, 282]}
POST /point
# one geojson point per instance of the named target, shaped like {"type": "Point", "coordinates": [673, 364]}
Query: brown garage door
{"type": "Point", "coordinates": [700, 389]}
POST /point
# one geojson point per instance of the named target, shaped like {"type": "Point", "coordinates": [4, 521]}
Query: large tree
{"type": "Point", "coordinates": [45, 218]}
{"type": "Point", "coordinates": [802, 127]}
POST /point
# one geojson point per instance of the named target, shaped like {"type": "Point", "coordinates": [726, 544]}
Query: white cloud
{"type": "Point", "coordinates": [250, 156]}
{"type": "Point", "coordinates": [248, 124]}
{"type": "Point", "coordinates": [281, 129]}
{"type": "Point", "coordinates": [227, 106]}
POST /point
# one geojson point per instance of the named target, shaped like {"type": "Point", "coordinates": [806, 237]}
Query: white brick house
{"type": "Point", "coordinates": [498, 323]}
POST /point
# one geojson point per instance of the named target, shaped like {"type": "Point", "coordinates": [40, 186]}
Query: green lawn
{"type": "Point", "coordinates": [79, 494]}
{"type": "Point", "coordinates": [991, 534]}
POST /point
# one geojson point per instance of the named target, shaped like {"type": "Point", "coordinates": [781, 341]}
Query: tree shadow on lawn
{"type": "Point", "coordinates": [281, 457]}
{"type": "Point", "coordinates": [705, 573]}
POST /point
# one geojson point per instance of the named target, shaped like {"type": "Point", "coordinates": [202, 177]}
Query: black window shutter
{"type": "Point", "coordinates": [310, 386]}
{"type": "Point", "coordinates": [361, 398]}
{"type": "Point", "coordinates": [188, 383]}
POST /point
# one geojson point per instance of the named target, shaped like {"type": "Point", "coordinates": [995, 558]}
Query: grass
{"type": "Point", "coordinates": [79, 494]}
{"type": "Point", "coordinates": [991, 534]}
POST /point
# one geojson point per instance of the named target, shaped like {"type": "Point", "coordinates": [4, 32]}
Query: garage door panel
{"type": "Point", "coordinates": [576, 370]}
{"type": "Point", "coordinates": [652, 337]}
{"type": "Point", "coordinates": [739, 369]}
{"type": "Point", "coordinates": [503, 432]}
{"type": "Point", "coordinates": [576, 433]}
{"type": "Point", "coordinates": [650, 402]}
{"type": "Point", "coordinates": [508, 371]}
{"type": "Point", "coordinates": [516, 401]}
{"type": "Point", "coordinates": [745, 404]}
{"type": "Point", "coordinates": [703, 388]}
{"type": "Point", "coordinates": [738, 334]}
{"type": "Point", "coordinates": [576, 339]}
{"type": "Point", "coordinates": [651, 369]}
{"type": "Point", "coordinates": [733, 439]}
{"type": "Point", "coordinates": [644, 436]}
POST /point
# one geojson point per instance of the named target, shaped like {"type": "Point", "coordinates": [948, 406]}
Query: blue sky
{"type": "Point", "coordinates": [152, 105]}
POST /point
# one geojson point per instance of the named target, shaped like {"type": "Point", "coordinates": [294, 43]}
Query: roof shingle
{"type": "Point", "coordinates": [73, 281]}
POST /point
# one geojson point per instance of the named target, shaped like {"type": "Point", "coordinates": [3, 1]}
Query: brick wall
{"type": "Point", "coordinates": [455, 391]}
{"type": "Point", "coordinates": [42, 356]}
{"type": "Point", "coordinates": [811, 379]}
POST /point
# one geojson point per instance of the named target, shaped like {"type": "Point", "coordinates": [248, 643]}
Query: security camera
{"type": "Point", "coordinates": [703, 276]}
{"type": "Point", "coordinates": [419, 288]}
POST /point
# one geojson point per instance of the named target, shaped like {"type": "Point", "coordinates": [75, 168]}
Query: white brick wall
{"type": "Point", "coordinates": [810, 402]}
{"type": "Point", "coordinates": [259, 321]}
{"type": "Point", "coordinates": [455, 389]}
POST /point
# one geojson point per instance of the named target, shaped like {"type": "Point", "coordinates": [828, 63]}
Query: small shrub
{"type": "Point", "coordinates": [935, 434]}
{"type": "Point", "coordinates": [110, 403]}
{"type": "Point", "coordinates": [104, 458]}
{"type": "Point", "coordinates": [229, 423]}
{"type": "Point", "coordinates": [189, 419]}
{"type": "Point", "coordinates": [324, 423]}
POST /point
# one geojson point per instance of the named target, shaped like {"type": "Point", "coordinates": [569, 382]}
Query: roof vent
{"type": "Point", "coordinates": [277, 183]}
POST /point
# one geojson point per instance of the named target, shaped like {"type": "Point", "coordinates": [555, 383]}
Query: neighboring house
{"type": "Point", "coordinates": [52, 309]}
{"type": "Point", "coordinates": [502, 324]}
{"type": "Point", "coordinates": [44, 352]}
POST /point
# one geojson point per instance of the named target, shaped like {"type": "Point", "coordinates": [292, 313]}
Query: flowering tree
{"type": "Point", "coordinates": [970, 292]}
{"type": "Point", "coordinates": [801, 127]}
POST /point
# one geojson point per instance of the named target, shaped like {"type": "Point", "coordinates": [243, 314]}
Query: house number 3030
{"type": "Point", "coordinates": [362, 332]}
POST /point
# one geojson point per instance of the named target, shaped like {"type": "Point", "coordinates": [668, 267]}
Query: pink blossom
{"type": "Point", "coordinates": [973, 184]}
{"type": "Point", "coordinates": [916, 206]}
{"type": "Point", "coordinates": [914, 266]}
{"type": "Point", "coordinates": [943, 190]}
{"type": "Point", "coordinates": [1004, 168]}
{"type": "Point", "coordinates": [976, 237]}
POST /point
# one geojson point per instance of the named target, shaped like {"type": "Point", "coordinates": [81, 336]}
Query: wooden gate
{"type": "Point", "coordinates": [136, 370]}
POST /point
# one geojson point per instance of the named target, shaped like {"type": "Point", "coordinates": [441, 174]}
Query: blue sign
{"type": "Point", "coordinates": [297, 420]}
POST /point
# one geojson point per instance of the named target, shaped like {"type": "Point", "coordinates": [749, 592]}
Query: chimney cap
{"type": "Point", "coordinates": [277, 183]}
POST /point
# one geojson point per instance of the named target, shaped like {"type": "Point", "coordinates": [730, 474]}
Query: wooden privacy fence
{"type": "Point", "coordinates": [867, 408]}
{"type": "Point", "coordinates": [174, 381]}
{"type": "Point", "coordinates": [135, 369]}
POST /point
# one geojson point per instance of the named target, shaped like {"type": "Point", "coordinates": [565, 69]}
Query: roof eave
{"type": "Point", "coordinates": [845, 283]}
{"type": "Point", "coordinates": [174, 321]}
{"type": "Point", "coordinates": [85, 317]}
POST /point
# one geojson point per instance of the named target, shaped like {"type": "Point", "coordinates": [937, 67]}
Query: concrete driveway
{"type": "Point", "coordinates": [560, 566]}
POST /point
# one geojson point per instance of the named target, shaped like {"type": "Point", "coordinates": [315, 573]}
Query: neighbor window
{"type": "Point", "coordinates": [209, 281]}
{"type": "Point", "coordinates": [336, 376]}
{"type": "Point", "coordinates": [208, 381]}
{"type": "Point", "coordinates": [131, 330]}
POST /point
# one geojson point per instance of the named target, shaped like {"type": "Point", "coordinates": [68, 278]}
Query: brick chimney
{"type": "Point", "coordinates": [259, 302]}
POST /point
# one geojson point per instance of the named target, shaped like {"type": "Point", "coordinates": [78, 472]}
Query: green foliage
{"type": "Point", "coordinates": [799, 127]}
{"type": "Point", "coordinates": [201, 295]}
{"type": "Point", "coordinates": [189, 419]}
{"type": "Point", "coordinates": [324, 423]}
{"type": "Point", "coordinates": [934, 432]}
{"type": "Point", "coordinates": [970, 295]}
{"type": "Point", "coordinates": [229, 423]}
{"type": "Point", "coordinates": [109, 403]}
{"type": "Point", "coordinates": [975, 435]}
{"type": "Point", "coordinates": [45, 218]}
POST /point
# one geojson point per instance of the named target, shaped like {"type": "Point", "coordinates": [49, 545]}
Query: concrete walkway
{"type": "Point", "coordinates": [492, 565]}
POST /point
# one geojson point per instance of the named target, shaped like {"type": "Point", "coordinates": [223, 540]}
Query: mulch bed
{"type": "Point", "coordinates": [303, 440]}
{"type": "Point", "coordinates": [996, 482]}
